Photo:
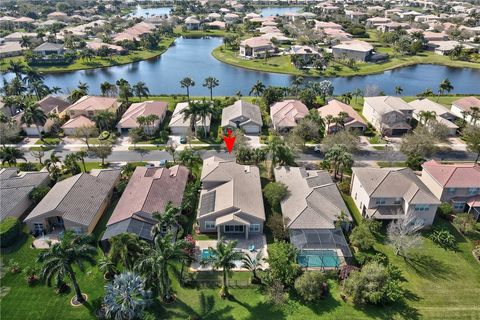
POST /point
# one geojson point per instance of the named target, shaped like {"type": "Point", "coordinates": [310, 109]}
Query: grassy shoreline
{"type": "Point", "coordinates": [97, 62]}
{"type": "Point", "coordinates": [282, 65]}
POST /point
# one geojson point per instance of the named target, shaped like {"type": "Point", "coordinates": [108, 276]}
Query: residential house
{"type": "Point", "coordinates": [243, 115]}
{"type": "Point", "coordinates": [57, 15]}
{"type": "Point", "coordinates": [464, 106]}
{"type": "Point", "coordinates": [285, 114]}
{"type": "Point", "coordinates": [312, 211]}
{"type": "Point", "coordinates": [48, 48]}
{"type": "Point", "coordinates": [389, 115]}
{"type": "Point", "coordinates": [352, 120]}
{"type": "Point", "coordinates": [442, 114]}
{"type": "Point", "coordinates": [192, 23]}
{"type": "Point", "coordinates": [76, 203]}
{"type": "Point", "coordinates": [457, 184]}
{"type": "Point", "coordinates": [15, 189]}
{"type": "Point", "coordinates": [231, 201]}
{"type": "Point", "coordinates": [143, 109]}
{"type": "Point", "coordinates": [49, 105]}
{"type": "Point", "coordinates": [11, 49]}
{"type": "Point", "coordinates": [445, 47]}
{"type": "Point", "coordinates": [354, 49]}
{"type": "Point", "coordinates": [256, 47]}
{"type": "Point", "coordinates": [392, 193]}
{"type": "Point", "coordinates": [89, 106]}
{"type": "Point", "coordinates": [231, 18]}
{"type": "Point", "coordinates": [72, 126]}
{"type": "Point", "coordinates": [149, 190]}
{"type": "Point", "coordinates": [376, 21]}
{"type": "Point", "coordinates": [17, 36]}
{"type": "Point", "coordinates": [135, 33]}
{"type": "Point", "coordinates": [180, 126]}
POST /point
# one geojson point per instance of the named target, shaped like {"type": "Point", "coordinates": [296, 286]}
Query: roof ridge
{"type": "Point", "coordinates": [378, 185]}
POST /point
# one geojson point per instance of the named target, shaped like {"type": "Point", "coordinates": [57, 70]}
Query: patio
{"type": "Point", "coordinates": [45, 241]}
{"type": "Point", "coordinates": [257, 242]}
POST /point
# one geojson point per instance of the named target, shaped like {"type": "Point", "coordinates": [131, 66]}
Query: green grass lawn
{"type": "Point", "coordinates": [200, 33]}
{"type": "Point", "coordinates": [357, 217]}
{"type": "Point", "coordinates": [49, 141]}
{"type": "Point", "coordinates": [99, 62]}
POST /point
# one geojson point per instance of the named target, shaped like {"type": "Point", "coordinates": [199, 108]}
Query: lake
{"type": "Point", "coordinates": [147, 12]}
{"type": "Point", "coordinates": [273, 11]}
{"type": "Point", "coordinates": [192, 58]}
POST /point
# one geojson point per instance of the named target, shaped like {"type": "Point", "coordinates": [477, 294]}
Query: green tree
{"type": "Point", "coordinates": [38, 193]}
{"type": "Point", "coordinates": [34, 115]}
{"type": "Point", "coordinates": [211, 83]}
{"type": "Point", "coordinates": [81, 155]}
{"type": "Point", "coordinates": [253, 264]}
{"type": "Point", "coordinates": [282, 258]}
{"type": "Point", "coordinates": [170, 220]}
{"type": "Point", "coordinates": [310, 285]}
{"type": "Point", "coordinates": [471, 135]}
{"type": "Point", "coordinates": [275, 192]}
{"type": "Point", "coordinates": [59, 259]}
{"type": "Point", "coordinates": [398, 90]}
{"type": "Point", "coordinates": [187, 83]}
{"type": "Point", "coordinates": [10, 155]}
{"type": "Point", "coordinates": [126, 248]}
{"type": "Point", "coordinates": [464, 222]}
{"type": "Point", "coordinates": [362, 237]}
{"type": "Point", "coordinates": [223, 257]}
{"type": "Point", "coordinates": [445, 86]}
{"type": "Point", "coordinates": [102, 151]}
{"type": "Point", "coordinates": [339, 158]}
{"type": "Point", "coordinates": [140, 89]}
{"type": "Point", "coordinates": [257, 89]}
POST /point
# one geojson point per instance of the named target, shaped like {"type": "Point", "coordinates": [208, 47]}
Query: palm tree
{"type": "Point", "coordinates": [192, 113]}
{"type": "Point", "coordinates": [346, 97]}
{"type": "Point", "coordinates": [83, 86]}
{"type": "Point", "coordinates": [171, 217]}
{"type": "Point", "coordinates": [11, 102]}
{"type": "Point", "coordinates": [204, 110]}
{"type": "Point", "coordinates": [328, 121]}
{"type": "Point", "coordinates": [187, 83]}
{"type": "Point", "coordinates": [39, 88]}
{"type": "Point", "coordinates": [125, 247]}
{"type": "Point", "coordinates": [280, 153]}
{"type": "Point", "coordinates": [357, 92]}
{"type": "Point", "coordinates": [223, 257]}
{"type": "Point", "coordinates": [34, 115]}
{"type": "Point", "coordinates": [105, 87]}
{"type": "Point", "coordinates": [59, 259]}
{"type": "Point", "coordinates": [55, 90]}
{"type": "Point", "coordinates": [339, 158]}
{"type": "Point", "coordinates": [474, 115]}
{"type": "Point", "coordinates": [31, 75]}
{"type": "Point", "coordinates": [126, 297]}
{"type": "Point", "coordinates": [71, 164]}
{"type": "Point", "coordinates": [445, 85]}
{"type": "Point", "coordinates": [81, 156]}
{"type": "Point", "coordinates": [52, 166]}
{"type": "Point", "coordinates": [296, 83]}
{"type": "Point", "coordinates": [189, 158]}
{"type": "Point", "coordinates": [253, 264]}
{"type": "Point", "coordinates": [16, 67]}
{"type": "Point", "coordinates": [104, 120]}
{"type": "Point", "coordinates": [16, 87]}
{"type": "Point", "coordinates": [140, 89]}
{"type": "Point", "coordinates": [154, 264]}
{"type": "Point", "coordinates": [10, 155]}
{"type": "Point", "coordinates": [257, 89]}
{"type": "Point", "coordinates": [211, 83]}
{"type": "Point", "coordinates": [125, 90]}
{"type": "Point", "coordinates": [426, 116]}
{"type": "Point", "coordinates": [398, 90]}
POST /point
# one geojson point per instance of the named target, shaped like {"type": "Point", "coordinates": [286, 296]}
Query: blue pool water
{"type": "Point", "coordinates": [319, 258]}
{"type": "Point", "coordinates": [206, 254]}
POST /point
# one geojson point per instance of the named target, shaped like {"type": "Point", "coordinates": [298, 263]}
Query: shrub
{"type": "Point", "coordinates": [274, 192]}
{"type": "Point", "coordinates": [445, 209]}
{"type": "Point", "coordinates": [344, 187]}
{"type": "Point", "coordinates": [362, 237]}
{"type": "Point", "coordinates": [13, 266]}
{"type": "Point", "coordinates": [104, 135]}
{"type": "Point", "coordinates": [363, 258]}
{"type": "Point", "coordinates": [276, 223]}
{"type": "Point", "coordinates": [38, 193]}
{"type": "Point", "coordinates": [311, 285]}
{"type": "Point", "coordinates": [9, 231]}
{"type": "Point", "coordinates": [282, 258]}
{"type": "Point", "coordinates": [465, 222]}
{"type": "Point", "coordinates": [444, 239]}
{"type": "Point", "coordinates": [27, 166]}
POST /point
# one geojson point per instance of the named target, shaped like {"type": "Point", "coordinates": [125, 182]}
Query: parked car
{"type": "Point", "coordinates": [149, 165]}
{"type": "Point", "coordinates": [316, 148]}
{"type": "Point", "coordinates": [183, 140]}
{"type": "Point", "coordinates": [163, 163]}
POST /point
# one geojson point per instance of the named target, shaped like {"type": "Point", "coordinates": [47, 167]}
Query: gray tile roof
{"type": "Point", "coordinates": [50, 103]}
{"type": "Point", "coordinates": [14, 188]}
{"type": "Point", "coordinates": [49, 46]}
{"type": "Point", "coordinates": [314, 201]}
{"type": "Point", "coordinates": [77, 198]}
{"type": "Point", "coordinates": [250, 112]}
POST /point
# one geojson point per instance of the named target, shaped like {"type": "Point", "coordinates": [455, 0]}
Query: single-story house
{"type": "Point", "coordinates": [392, 193]}
{"type": "Point", "coordinates": [96, 46]}
{"type": "Point", "coordinates": [442, 114]}
{"type": "Point", "coordinates": [256, 47]}
{"type": "Point", "coordinates": [49, 104]}
{"type": "Point", "coordinates": [145, 108]}
{"type": "Point", "coordinates": [192, 23]}
{"type": "Point", "coordinates": [89, 106]}
{"type": "Point", "coordinates": [389, 115]}
{"type": "Point", "coordinates": [76, 203]}
{"type": "Point", "coordinates": [180, 126]}
{"type": "Point", "coordinates": [458, 184]}
{"type": "Point", "coordinates": [216, 25]}
{"type": "Point", "coordinates": [15, 189]}
{"type": "Point", "coordinates": [463, 106]}
{"type": "Point", "coordinates": [17, 36]}
{"type": "Point", "coordinates": [11, 49]}
{"type": "Point", "coordinates": [71, 127]}
{"type": "Point", "coordinates": [57, 15]}
{"type": "Point", "coordinates": [243, 115]}
{"type": "Point", "coordinates": [48, 48]}
{"type": "Point", "coordinates": [312, 209]}
{"type": "Point", "coordinates": [148, 191]}
{"type": "Point", "coordinates": [135, 32]}
{"type": "Point", "coordinates": [445, 47]}
{"type": "Point", "coordinates": [285, 114]}
{"type": "Point", "coordinates": [354, 49]}
{"type": "Point", "coordinates": [231, 201]}
{"type": "Point", "coordinates": [352, 121]}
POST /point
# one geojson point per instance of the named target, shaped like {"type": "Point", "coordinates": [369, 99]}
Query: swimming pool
{"type": "Point", "coordinates": [206, 254]}
{"type": "Point", "coordinates": [319, 258]}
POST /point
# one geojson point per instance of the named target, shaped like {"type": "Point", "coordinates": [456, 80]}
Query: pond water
{"type": "Point", "coordinates": [273, 11]}
{"type": "Point", "coordinates": [192, 58]}
{"type": "Point", "coordinates": [146, 12]}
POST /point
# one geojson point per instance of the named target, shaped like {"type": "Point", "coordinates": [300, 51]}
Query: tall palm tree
{"type": "Point", "coordinates": [205, 110]}
{"type": "Point", "coordinates": [39, 88]}
{"type": "Point", "coordinates": [398, 90]}
{"type": "Point", "coordinates": [346, 97]}
{"type": "Point", "coordinates": [187, 83]}
{"type": "Point", "coordinates": [10, 155]}
{"type": "Point", "coordinates": [223, 257]}
{"type": "Point", "coordinates": [55, 90]}
{"type": "Point", "coordinates": [59, 259]}
{"type": "Point", "coordinates": [257, 89]}
{"type": "Point", "coordinates": [104, 120]}
{"type": "Point", "coordinates": [445, 85]}
{"type": "Point", "coordinates": [192, 113]}
{"type": "Point", "coordinates": [280, 153]}
{"type": "Point", "coordinates": [53, 165]}
{"type": "Point", "coordinates": [140, 89]}
{"type": "Point", "coordinates": [154, 264]}
{"type": "Point", "coordinates": [126, 247]}
{"type": "Point", "coordinates": [253, 264]}
{"type": "Point", "coordinates": [474, 115]}
{"type": "Point", "coordinates": [34, 115]}
{"type": "Point", "coordinates": [126, 297]}
{"type": "Point", "coordinates": [31, 75]}
{"type": "Point", "coordinates": [81, 156]}
{"type": "Point", "coordinates": [426, 116]}
{"type": "Point", "coordinates": [16, 87]}
{"type": "Point", "coordinates": [124, 89]}
{"type": "Point", "coordinates": [17, 67]}
{"type": "Point", "coordinates": [211, 83]}
{"type": "Point", "coordinates": [357, 92]}
{"type": "Point", "coordinates": [11, 102]}
{"type": "Point", "coordinates": [296, 83]}
{"type": "Point", "coordinates": [171, 218]}
{"type": "Point", "coordinates": [105, 87]}
{"type": "Point", "coordinates": [189, 158]}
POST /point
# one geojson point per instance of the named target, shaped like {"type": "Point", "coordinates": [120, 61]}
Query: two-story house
{"type": "Point", "coordinates": [389, 115]}
{"type": "Point", "coordinates": [391, 193]}
{"type": "Point", "coordinates": [442, 114]}
{"type": "Point", "coordinates": [458, 184]}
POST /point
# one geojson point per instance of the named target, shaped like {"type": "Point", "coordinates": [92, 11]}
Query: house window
{"type": "Point", "coordinates": [38, 226]}
{"type": "Point", "coordinates": [459, 206]}
{"type": "Point", "coordinates": [209, 225]}
{"type": "Point", "coordinates": [422, 207]}
{"type": "Point", "coordinates": [398, 201]}
{"type": "Point", "coordinates": [164, 229]}
{"type": "Point", "coordinates": [233, 229]}
{"type": "Point", "coordinates": [452, 191]}
{"type": "Point", "coordinates": [254, 227]}
{"type": "Point", "coordinates": [472, 190]}
{"type": "Point", "coordinates": [380, 201]}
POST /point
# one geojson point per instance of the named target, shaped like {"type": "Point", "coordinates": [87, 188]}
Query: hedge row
{"type": "Point", "coordinates": [10, 229]}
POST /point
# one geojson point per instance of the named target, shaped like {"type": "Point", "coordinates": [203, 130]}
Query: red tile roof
{"type": "Point", "coordinates": [459, 175]}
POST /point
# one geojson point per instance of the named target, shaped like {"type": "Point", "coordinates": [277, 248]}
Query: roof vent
{"type": "Point", "coordinates": [246, 169]}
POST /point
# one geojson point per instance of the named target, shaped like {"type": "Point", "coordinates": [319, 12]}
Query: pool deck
{"type": "Point", "coordinates": [341, 259]}
{"type": "Point", "coordinates": [259, 241]}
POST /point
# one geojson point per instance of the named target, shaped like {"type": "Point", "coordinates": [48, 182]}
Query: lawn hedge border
{"type": "Point", "coordinates": [10, 229]}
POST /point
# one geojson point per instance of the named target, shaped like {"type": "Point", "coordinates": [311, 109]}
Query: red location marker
{"type": "Point", "coordinates": [229, 140]}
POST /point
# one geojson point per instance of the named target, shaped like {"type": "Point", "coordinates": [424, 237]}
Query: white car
{"type": "Point", "coordinates": [317, 148]}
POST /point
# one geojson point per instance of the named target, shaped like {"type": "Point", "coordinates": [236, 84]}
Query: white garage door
{"type": "Point", "coordinates": [251, 129]}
